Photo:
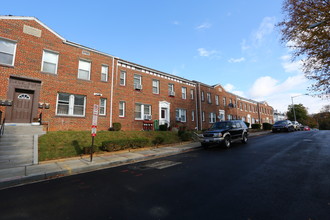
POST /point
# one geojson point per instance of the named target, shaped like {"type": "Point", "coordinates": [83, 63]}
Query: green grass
{"type": "Point", "coordinates": [63, 144]}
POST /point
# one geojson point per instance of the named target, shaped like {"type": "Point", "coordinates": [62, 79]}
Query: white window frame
{"type": "Point", "coordinates": [217, 100]}
{"type": "Point", "coordinates": [104, 73]}
{"type": "Point", "coordinates": [122, 106]}
{"type": "Point", "coordinates": [212, 117]}
{"type": "Point", "coordinates": [208, 96]}
{"type": "Point", "coordinates": [203, 116]}
{"type": "Point", "coordinates": [202, 96]}
{"type": "Point", "coordinates": [12, 54]}
{"type": "Point", "coordinates": [103, 108]}
{"type": "Point", "coordinates": [43, 61]}
{"type": "Point", "coordinates": [142, 110]}
{"type": "Point", "coordinates": [192, 115]}
{"type": "Point", "coordinates": [71, 105]}
{"type": "Point", "coordinates": [184, 92]}
{"type": "Point", "coordinates": [137, 77]}
{"type": "Point", "coordinates": [182, 114]}
{"type": "Point", "coordinates": [155, 86]}
{"type": "Point", "coordinates": [224, 101]}
{"type": "Point", "coordinates": [80, 67]}
{"type": "Point", "coordinates": [122, 77]}
{"type": "Point", "coordinates": [191, 94]}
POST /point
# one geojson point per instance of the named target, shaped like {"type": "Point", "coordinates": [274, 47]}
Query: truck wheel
{"type": "Point", "coordinates": [227, 142]}
{"type": "Point", "coordinates": [245, 138]}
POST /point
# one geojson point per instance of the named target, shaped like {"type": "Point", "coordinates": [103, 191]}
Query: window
{"type": "Point", "coordinates": [103, 103]}
{"type": "Point", "coordinates": [141, 110]}
{"type": "Point", "coordinates": [181, 115]}
{"type": "Point", "coordinates": [104, 73]}
{"type": "Point", "coordinates": [191, 94]}
{"type": "Point", "coordinates": [171, 89]}
{"type": "Point", "coordinates": [137, 82]}
{"type": "Point", "coordinates": [49, 62]}
{"type": "Point", "coordinates": [224, 101]}
{"type": "Point", "coordinates": [202, 96]}
{"type": "Point", "coordinates": [71, 105]}
{"type": "Point", "coordinates": [245, 107]}
{"type": "Point", "coordinates": [184, 92]}
{"type": "Point", "coordinates": [122, 78]}
{"type": "Point", "coordinates": [84, 70]}
{"type": "Point", "coordinates": [208, 96]}
{"type": "Point", "coordinates": [217, 100]}
{"type": "Point", "coordinates": [240, 105]}
{"type": "Point", "coordinates": [212, 117]}
{"type": "Point", "coordinates": [192, 115]}
{"type": "Point", "coordinates": [203, 116]}
{"type": "Point", "coordinates": [7, 52]}
{"type": "Point", "coordinates": [122, 109]}
{"type": "Point", "coordinates": [155, 86]}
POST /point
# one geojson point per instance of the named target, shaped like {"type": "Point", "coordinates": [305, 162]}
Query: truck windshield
{"type": "Point", "coordinates": [220, 125]}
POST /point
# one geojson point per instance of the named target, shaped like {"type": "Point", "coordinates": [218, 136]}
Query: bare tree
{"type": "Point", "coordinates": [306, 29]}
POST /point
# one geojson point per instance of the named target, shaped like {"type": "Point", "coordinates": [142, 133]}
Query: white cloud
{"type": "Point", "coordinates": [265, 28]}
{"type": "Point", "coordinates": [176, 22]}
{"type": "Point", "coordinates": [239, 60]}
{"type": "Point", "coordinates": [204, 26]}
{"type": "Point", "coordinates": [206, 53]}
{"type": "Point", "coordinates": [230, 88]}
{"type": "Point", "coordinates": [291, 66]}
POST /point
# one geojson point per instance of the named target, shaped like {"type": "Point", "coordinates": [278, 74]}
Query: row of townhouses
{"type": "Point", "coordinates": [47, 78]}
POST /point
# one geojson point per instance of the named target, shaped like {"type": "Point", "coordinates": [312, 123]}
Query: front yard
{"type": "Point", "coordinates": [63, 144]}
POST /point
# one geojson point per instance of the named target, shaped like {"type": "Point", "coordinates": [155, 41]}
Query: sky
{"type": "Point", "coordinates": [233, 43]}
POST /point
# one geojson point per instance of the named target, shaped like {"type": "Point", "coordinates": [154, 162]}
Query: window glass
{"type": "Point", "coordinates": [102, 108]}
{"type": "Point", "coordinates": [104, 73]}
{"type": "Point", "coordinates": [50, 61]}
{"type": "Point", "coordinates": [122, 78]}
{"type": "Point", "coordinates": [7, 52]}
{"type": "Point", "coordinates": [84, 70]}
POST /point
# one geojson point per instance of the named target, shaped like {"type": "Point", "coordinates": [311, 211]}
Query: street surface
{"type": "Point", "coordinates": [277, 176]}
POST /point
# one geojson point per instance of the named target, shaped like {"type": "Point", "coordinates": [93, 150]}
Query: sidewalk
{"type": "Point", "coordinates": [56, 168]}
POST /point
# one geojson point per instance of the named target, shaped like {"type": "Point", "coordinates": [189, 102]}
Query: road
{"type": "Point", "coordinates": [276, 176]}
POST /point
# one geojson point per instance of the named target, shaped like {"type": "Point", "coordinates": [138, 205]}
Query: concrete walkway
{"type": "Point", "coordinates": [57, 168]}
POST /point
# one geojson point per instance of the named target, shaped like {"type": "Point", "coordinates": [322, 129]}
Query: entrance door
{"type": "Point", "coordinates": [164, 113]}
{"type": "Point", "coordinates": [22, 106]}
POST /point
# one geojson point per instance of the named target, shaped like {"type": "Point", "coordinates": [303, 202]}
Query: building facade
{"type": "Point", "coordinates": [49, 79]}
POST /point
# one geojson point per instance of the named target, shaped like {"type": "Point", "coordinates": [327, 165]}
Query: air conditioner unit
{"type": "Point", "coordinates": [137, 86]}
{"type": "Point", "coordinates": [147, 117]}
{"type": "Point", "coordinates": [178, 118]}
{"type": "Point", "coordinates": [171, 93]}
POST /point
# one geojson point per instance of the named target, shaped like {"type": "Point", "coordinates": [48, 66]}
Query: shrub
{"type": "Point", "coordinates": [256, 126]}
{"type": "Point", "coordinates": [116, 126]}
{"type": "Point", "coordinates": [186, 136]}
{"type": "Point", "coordinates": [122, 144]}
{"type": "Point", "coordinates": [163, 127]}
{"type": "Point", "coordinates": [158, 140]}
{"type": "Point", "coordinates": [267, 126]}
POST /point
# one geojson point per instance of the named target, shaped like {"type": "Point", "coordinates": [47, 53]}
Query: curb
{"type": "Point", "coordinates": [64, 170]}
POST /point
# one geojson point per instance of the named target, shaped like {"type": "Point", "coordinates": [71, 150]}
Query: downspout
{"type": "Point", "coordinates": [111, 92]}
{"type": "Point", "coordinates": [200, 105]}
{"type": "Point", "coordinates": [196, 108]}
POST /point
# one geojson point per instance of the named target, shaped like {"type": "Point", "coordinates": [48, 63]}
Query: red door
{"type": "Point", "coordinates": [22, 106]}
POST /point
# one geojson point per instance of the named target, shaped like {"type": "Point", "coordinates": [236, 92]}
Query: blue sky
{"type": "Point", "coordinates": [234, 43]}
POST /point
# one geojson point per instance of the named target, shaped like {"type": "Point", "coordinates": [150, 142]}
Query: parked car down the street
{"type": "Point", "coordinates": [225, 132]}
{"type": "Point", "coordinates": [306, 128]}
{"type": "Point", "coordinates": [284, 125]}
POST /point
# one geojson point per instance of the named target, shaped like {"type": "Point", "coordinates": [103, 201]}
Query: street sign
{"type": "Point", "coordinates": [95, 114]}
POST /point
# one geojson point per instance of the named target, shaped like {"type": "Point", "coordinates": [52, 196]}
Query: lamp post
{"type": "Point", "coordinates": [294, 112]}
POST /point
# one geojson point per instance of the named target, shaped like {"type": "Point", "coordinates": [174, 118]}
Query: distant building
{"type": "Point", "coordinates": [278, 116]}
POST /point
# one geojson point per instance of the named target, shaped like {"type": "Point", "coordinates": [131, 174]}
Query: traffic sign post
{"type": "Point", "coordinates": [94, 126]}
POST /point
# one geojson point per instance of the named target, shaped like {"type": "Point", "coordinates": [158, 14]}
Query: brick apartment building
{"type": "Point", "coordinates": [45, 76]}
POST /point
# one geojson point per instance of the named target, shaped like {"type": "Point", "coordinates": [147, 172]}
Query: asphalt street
{"type": "Point", "coordinates": [276, 176]}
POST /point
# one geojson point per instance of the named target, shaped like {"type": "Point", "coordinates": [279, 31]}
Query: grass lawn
{"type": "Point", "coordinates": [63, 144]}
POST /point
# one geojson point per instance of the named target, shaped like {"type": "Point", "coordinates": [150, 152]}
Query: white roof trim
{"type": "Point", "coordinates": [33, 19]}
